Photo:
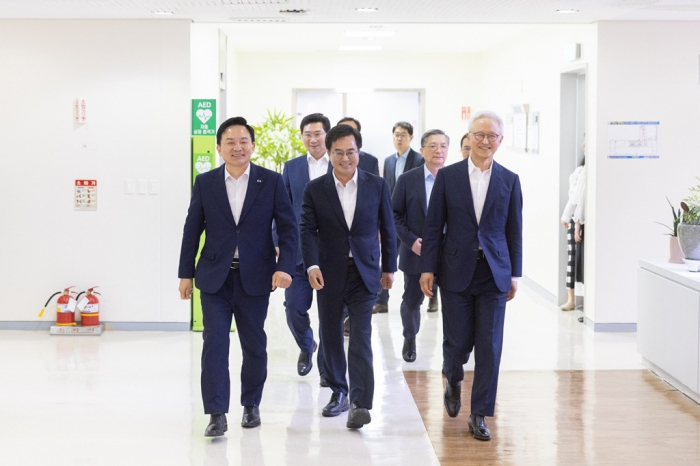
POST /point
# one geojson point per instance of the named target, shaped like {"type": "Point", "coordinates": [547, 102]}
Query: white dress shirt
{"type": "Point", "coordinates": [235, 190]}
{"type": "Point", "coordinates": [480, 186]}
{"type": "Point", "coordinates": [429, 183]}
{"type": "Point", "coordinates": [400, 164]}
{"type": "Point", "coordinates": [317, 167]}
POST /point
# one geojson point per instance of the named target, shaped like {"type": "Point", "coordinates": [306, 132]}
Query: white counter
{"type": "Point", "coordinates": [668, 323]}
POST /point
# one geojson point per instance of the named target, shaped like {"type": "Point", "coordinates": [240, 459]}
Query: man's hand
{"type": "Point", "coordinates": [316, 279]}
{"type": "Point", "coordinates": [513, 290]}
{"type": "Point", "coordinates": [426, 284]}
{"type": "Point", "coordinates": [281, 280]}
{"type": "Point", "coordinates": [387, 280]}
{"type": "Point", "coordinates": [185, 288]}
{"type": "Point", "coordinates": [416, 246]}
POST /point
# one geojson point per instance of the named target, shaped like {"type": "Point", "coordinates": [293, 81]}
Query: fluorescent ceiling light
{"type": "Point", "coordinates": [369, 33]}
{"type": "Point", "coordinates": [366, 9]}
{"type": "Point", "coordinates": [360, 48]}
{"type": "Point", "coordinates": [566, 12]}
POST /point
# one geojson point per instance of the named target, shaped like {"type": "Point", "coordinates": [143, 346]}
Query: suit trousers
{"type": "Point", "coordinates": [231, 301]}
{"type": "Point", "coordinates": [297, 302]}
{"type": "Point", "coordinates": [359, 301]}
{"type": "Point", "coordinates": [410, 305]}
{"type": "Point", "coordinates": [473, 320]}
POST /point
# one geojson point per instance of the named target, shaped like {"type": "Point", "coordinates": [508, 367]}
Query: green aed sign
{"type": "Point", "coordinates": [203, 117]}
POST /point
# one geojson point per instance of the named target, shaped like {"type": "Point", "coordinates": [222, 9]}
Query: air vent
{"type": "Point", "coordinates": [258, 20]}
{"type": "Point", "coordinates": [294, 12]}
{"type": "Point", "coordinates": [255, 2]}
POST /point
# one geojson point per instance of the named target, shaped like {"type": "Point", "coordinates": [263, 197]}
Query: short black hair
{"type": "Point", "coordinates": [316, 118]}
{"type": "Point", "coordinates": [357, 122]}
{"type": "Point", "coordinates": [235, 121]}
{"type": "Point", "coordinates": [405, 125]}
{"type": "Point", "coordinates": [461, 141]}
{"type": "Point", "coordinates": [342, 131]}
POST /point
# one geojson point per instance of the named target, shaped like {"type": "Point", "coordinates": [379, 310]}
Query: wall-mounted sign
{"type": "Point", "coordinates": [633, 140]}
{"type": "Point", "coordinates": [203, 117]}
{"type": "Point", "coordinates": [80, 111]}
{"type": "Point", "coordinates": [85, 194]}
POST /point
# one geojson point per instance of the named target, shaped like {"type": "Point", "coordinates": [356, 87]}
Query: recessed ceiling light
{"type": "Point", "coordinates": [366, 9]}
{"type": "Point", "coordinates": [369, 33]}
{"type": "Point", "coordinates": [566, 12]}
{"type": "Point", "coordinates": [360, 48]}
{"type": "Point", "coordinates": [162, 12]}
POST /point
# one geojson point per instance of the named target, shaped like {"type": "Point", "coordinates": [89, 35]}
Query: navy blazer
{"type": "Point", "coordinates": [410, 207]}
{"type": "Point", "coordinates": [210, 212]}
{"type": "Point", "coordinates": [296, 174]}
{"type": "Point", "coordinates": [413, 160]}
{"type": "Point", "coordinates": [452, 255]}
{"type": "Point", "coordinates": [326, 239]}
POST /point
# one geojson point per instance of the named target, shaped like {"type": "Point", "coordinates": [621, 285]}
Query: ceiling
{"type": "Point", "coordinates": [405, 25]}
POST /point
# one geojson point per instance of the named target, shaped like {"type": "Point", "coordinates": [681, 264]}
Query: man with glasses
{"type": "Point", "coordinates": [298, 297]}
{"type": "Point", "coordinates": [472, 245]}
{"type": "Point", "coordinates": [341, 213]}
{"type": "Point", "coordinates": [410, 201]}
{"type": "Point", "coordinates": [395, 165]}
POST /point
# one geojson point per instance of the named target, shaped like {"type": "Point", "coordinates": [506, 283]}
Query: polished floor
{"type": "Point", "coordinates": [132, 398]}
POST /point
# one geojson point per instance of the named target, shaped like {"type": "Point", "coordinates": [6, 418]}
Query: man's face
{"type": "Point", "coordinates": [402, 140]}
{"type": "Point", "coordinates": [485, 149]}
{"type": "Point", "coordinates": [344, 156]}
{"type": "Point", "coordinates": [466, 148]}
{"type": "Point", "coordinates": [236, 146]}
{"type": "Point", "coordinates": [314, 137]}
{"type": "Point", "coordinates": [435, 151]}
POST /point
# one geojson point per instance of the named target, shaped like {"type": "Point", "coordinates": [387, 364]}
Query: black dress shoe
{"type": "Point", "coordinates": [322, 382]}
{"type": "Point", "coordinates": [251, 416]}
{"type": "Point", "coordinates": [305, 363]}
{"type": "Point", "coordinates": [433, 304]}
{"type": "Point", "coordinates": [217, 425]}
{"type": "Point", "coordinates": [346, 327]}
{"type": "Point", "coordinates": [453, 399]}
{"type": "Point", "coordinates": [477, 427]}
{"type": "Point", "coordinates": [380, 308]}
{"type": "Point", "coordinates": [409, 349]}
{"type": "Point", "coordinates": [358, 417]}
{"type": "Point", "coordinates": [338, 404]}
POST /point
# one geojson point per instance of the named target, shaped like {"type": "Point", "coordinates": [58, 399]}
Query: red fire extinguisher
{"type": "Point", "coordinates": [89, 308]}
{"type": "Point", "coordinates": [65, 307]}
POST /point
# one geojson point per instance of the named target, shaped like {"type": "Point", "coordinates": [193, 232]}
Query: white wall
{"type": "Point", "coordinates": [135, 78]}
{"type": "Point", "coordinates": [647, 71]}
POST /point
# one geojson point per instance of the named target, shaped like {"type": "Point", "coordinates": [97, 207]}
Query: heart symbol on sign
{"type": "Point", "coordinates": [203, 167]}
{"type": "Point", "coordinates": [204, 115]}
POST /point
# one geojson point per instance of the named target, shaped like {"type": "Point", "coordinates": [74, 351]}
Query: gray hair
{"type": "Point", "coordinates": [433, 132]}
{"type": "Point", "coordinates": [486, 114]}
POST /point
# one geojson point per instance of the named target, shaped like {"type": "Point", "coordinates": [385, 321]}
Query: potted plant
{"type": "Point", "coordinates": [675, 254]}
{"type": "Point", "coordinates": [689, 228]}
{"type": "Point", "coordinates": [276, 141]}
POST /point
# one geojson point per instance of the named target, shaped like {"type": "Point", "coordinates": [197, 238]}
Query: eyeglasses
{"type": "Point", "coordinates": [351, 153]}
{"type": "Point", "coordinates": [400, 135]}
{"type": "Point", "coordinates": [437, 146]}
{"type": "Point", "coordinates": [491, 137]}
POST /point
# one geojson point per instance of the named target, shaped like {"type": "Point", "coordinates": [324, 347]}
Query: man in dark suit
{"type": "Point", "coordinates": [410, 201]}
{"type": "Point", "coordinates": [368, 162]}
{"type": "Point", "coordinates": [472, 242]}
{"type": "Point", "coordinates": [341, 214]}
{"type": "Point", "coordinates": [235, 205]}
{"type": "Point", "coordinates": [402, 161]}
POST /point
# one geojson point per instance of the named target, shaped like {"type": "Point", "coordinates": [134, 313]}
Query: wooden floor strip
{"type": "Point", "coordinates": [577, 418]}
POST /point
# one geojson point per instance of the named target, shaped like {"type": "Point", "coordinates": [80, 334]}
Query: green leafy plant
{"type": "Point", "coordinates": [691, 207]}
{"type": "Point", "coordinates": [676, 220]}
{"type": "Point", "coordinates": [276, 141]}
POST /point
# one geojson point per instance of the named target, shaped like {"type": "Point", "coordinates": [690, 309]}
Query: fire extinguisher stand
{"type": "Point", "coordinates": [68, 308]}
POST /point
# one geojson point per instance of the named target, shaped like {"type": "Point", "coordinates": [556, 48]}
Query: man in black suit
{"type": "Point", "coordinates": [235, 205]}
{"type": "Point", "coordinates": [341, 213]}
{"type": "Point", "coordinates": [368, 162]}
{"type": "Point", "coordinates": [472, 244]}
{"type": "Point", "coordinates": [410, 201]}
{"type": "Point", "coordinates": [402, 161]}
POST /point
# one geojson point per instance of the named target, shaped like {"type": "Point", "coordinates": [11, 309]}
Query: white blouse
{"type": "Point", "coordinates": [575, 207]}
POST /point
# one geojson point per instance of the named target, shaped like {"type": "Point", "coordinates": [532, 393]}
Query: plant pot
{"type": "Point", "coordinates": [689, 240]}
{"type": "Point", "coordinates": [675, 253]}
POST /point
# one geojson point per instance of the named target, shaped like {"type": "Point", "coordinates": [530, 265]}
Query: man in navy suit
{"type": "Point", "coordinates": [472, 244]}
{"type": "Point", "coordinates": [396, 164]}
{"type": "Point", "coordinates": [410, 201]}
{"type": "Point", "coordinates": [368, 162]}
{"type": "Point", "coordinates": [235, 205]}
{"type": "Point", "coordinates": [341, 214]}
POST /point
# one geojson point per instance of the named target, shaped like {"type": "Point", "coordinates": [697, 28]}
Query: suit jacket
{"type": "Point", "coordinates": [410, 207]}
{"type": "Point", "coordinates": [210, 211]}
{"type": "Point", "coordinates": [326, 239]}
{"type": "Point", "coordinates": [413, 159]}
{"type": "Point", "coordinates": [368, 163]}
{"type": "Point", "coordinates": [452, 255]}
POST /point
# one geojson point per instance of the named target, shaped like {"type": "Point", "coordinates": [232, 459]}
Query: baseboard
{"type": "Point", "coordinates": [120, 326]}
{"type": "Point", "coordinates": [621, 327]}
{"type": "Point", "coordinates": [541, 291]}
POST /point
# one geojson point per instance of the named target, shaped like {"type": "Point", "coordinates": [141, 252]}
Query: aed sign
{"type": "Point", "coordinates": [203, 117]}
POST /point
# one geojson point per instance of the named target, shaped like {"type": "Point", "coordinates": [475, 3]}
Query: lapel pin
{"type": "Point", "coordinates": [259, 181]}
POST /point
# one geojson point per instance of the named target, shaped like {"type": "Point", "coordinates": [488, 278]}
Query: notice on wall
{"type": "Point", "coordinates": [633, 140]}
{"type": "Point", "coordinates": [85, 194]}
{"type": "Point", "coordinates": [203, 117]}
